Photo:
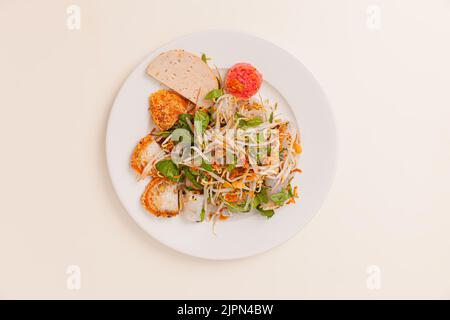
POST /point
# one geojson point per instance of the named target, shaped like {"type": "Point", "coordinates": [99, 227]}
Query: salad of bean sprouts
{"type": "Point", "coordinates": [234, 156]}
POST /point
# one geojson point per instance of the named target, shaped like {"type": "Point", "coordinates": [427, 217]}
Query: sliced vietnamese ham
{"type": "Point", "coordinates": [184, 73]}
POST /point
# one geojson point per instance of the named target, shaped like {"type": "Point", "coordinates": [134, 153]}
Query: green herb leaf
{"type": "Point", "coordinates": [168, 169]}
{"type": "Point", "coordinates": [182, 123]}
{"type": "Point", "coordinates": [195, 172]}
{"type": "Point", "coordinates": [265, 213]}
{"type": "Point", "coordinates": [250, 123]}
{"type": "Point", "coordinates": [290, 192]}
{"type": "Point", "coordinates": [163, 134]}
{"type": "Point", "coordinates": [190, 176]}
{"type": "Point", "coordinates": [271, 117]}
{"type": "Point", "coordinates": [235, 208]}
{"type": "Point", "coordinates": [256, 202]}
{"type": "Point", "coordinates": [207, 166]}
{"type": "Point", "coordinates": [185, 116]}
{"type": "Point", "coordinates": [205, 58]}
{"type": "Point", "coordinates": [231, 167]}
{"type": "Point", "coordinates": [201, 121]}
{"type": "Point", "coordinates": [202, 215]}
{"type": "Point", "coordinates": [262, 195]}
{"type": "Point", "coordinates": [280, 197]}
{"type": "Point", "coordinates": [214, 94]}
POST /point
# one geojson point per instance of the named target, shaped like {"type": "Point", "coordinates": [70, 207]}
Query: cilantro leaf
{"type": "Point", "coordinates": [168, 169]}
{"type": "Point", "coordinates": [205, 58]}
{"type": "Point", "coordinates": [201, 121]}
{"type": "Point", "coordinates": [262, 195]}
{"type": "Point", "coordinates": [265, 213]}
{"type": "Point", "coordinates": [280, 197]}
{"type": "Point", "coordinates": [250, 123]}
{"type": "Point", "coordinates": [207, 166]}
{"type": "Point", "coordinates": [190, 176]}
{"type": "Point", "coordinates": [214, 94]}
{"type": "Point", "coordinates": [202, 215]}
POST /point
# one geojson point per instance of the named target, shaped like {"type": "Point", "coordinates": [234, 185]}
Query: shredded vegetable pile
{"type": "Point", "coordinates": [239, 154]}
{"type": "Point", "coordinates": [219, 148]}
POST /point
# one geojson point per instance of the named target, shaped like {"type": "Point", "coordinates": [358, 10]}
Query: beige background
{"type": "Point", "coordinates": [389, 206]}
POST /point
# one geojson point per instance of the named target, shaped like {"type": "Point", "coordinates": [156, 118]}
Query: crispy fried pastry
{"type": "Point", "coordinates": [161, 198]}
{"type": "Point", "coordinates": [165, 108]}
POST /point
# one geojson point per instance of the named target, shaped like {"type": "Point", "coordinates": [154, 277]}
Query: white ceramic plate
{"type": "Point", "coordinates": [301, 100]}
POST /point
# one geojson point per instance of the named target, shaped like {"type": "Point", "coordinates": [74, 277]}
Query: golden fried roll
{"type": "Point", "coordinates": [165, 108]}
{"type": "Point", "coordinates": [144, 154]}
{"type": "Point", "coordinates": [161, 198]}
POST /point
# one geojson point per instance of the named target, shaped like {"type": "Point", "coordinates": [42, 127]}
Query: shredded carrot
{"type": "Point", "coordinates": [238, 185]}
{"type": "Point", "coordinates": [231, 197]}
{"type": "Point", "coordinates": [226, 184]}
{"type": "Point", "coordinates": [297, 147]}
{"type": "Point", "coordinates": [236, 173]}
